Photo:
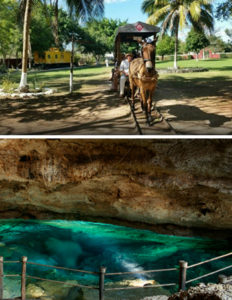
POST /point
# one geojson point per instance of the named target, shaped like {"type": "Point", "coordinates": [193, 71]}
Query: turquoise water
{"type": "Point", "coordinates": [87, 246]}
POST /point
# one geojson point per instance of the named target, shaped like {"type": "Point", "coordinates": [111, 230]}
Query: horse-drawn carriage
{"type": "Point", "coordinates": [142, 69]}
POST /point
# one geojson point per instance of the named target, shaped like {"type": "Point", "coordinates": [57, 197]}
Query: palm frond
{"type": "Point", "coordinates": [182, 15]}
{"type": "Point", "coordinates": [195, 10]}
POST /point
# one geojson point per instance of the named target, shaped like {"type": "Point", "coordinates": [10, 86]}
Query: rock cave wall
{"type": "Point", "coordinates": [155, 183]}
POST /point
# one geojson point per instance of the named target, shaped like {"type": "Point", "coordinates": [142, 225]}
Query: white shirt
{"type": "Point", "coordinates": [124, 66]}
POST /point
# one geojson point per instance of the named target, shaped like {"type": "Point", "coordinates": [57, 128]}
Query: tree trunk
{"type": "Point", "coordinates": [4, 59]}
{"type": "Point", "coordinates": [71, 67]}
{"type": "Point", "coordinates": [176, 49]}
{"type": "Point", "coordinates": [29, 52]}
{"type": "Point", "coordinates": [26, 25]}
{"type": "Point", "coordinates": [55, 24]}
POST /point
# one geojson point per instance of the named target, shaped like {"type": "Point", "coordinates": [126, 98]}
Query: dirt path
{"type": "Point", "coordinates": [95, 110]}
{"type": "Point", "coordinates": [91, 111]}
{"type": "Point", "coordinates": [197, 107]}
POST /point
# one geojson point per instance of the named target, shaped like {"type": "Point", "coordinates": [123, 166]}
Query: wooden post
{"type": "Point", "coordinates": [155, 41]}
{"type": "Point", "coordinates": [222, 279]}
{"type": "Point", "coordinates": [1, 278]}
{"type": "Point", "coordinates": [101, 282]}
{"type": "Point", "coordinates": [118, 51]}
{"type": "Point", "coordinates": [182, 274]}
{"type": "Point", "coordinates": [71, 67]}
{"type": "Point", "coordinates": [23, 279]}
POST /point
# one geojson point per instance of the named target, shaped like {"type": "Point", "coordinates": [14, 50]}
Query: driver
{"type": "Point", "coordinates": [124, 70]}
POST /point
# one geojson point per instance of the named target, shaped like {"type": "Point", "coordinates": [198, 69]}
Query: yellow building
{"type": "Point", "coordinates": [52, 56]}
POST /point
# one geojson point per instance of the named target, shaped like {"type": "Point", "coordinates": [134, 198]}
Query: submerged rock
{"type": "Point", "coordinates": [52, 291]}
{"type": "Point", "coordinates": [34, 291]}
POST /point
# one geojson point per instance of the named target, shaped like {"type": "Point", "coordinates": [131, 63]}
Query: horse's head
{"type": "Point", "coordinates": [148, 53]}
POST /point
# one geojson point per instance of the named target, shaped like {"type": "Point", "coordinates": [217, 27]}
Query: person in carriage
{"type": "Point", "coordinates": [124, 71]}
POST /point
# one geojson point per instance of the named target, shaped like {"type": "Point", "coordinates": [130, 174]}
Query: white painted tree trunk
{"type": "Point", "coordinates": [71, 67]}
{"type": "Point", "coordinates": [23, 81]}
{"type": "Point", "coordinates": [176, 50]}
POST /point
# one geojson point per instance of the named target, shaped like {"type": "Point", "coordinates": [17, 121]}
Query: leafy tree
{"type": "Point", "coordinates": [165, 46]}
{"type": "Point", "coordinates": [40, 30]}
{"type": "Point", "coordinates": [82, 9]}
{"type": "Point", "coordinates": [229, 44]}
{"type": "Point", "coordinates": [224, 10]}
{"type": "Point", "coordinates": [104, 31]}
{"type": "Point", "coordinates": [174, 15]}
{"type": "Point", "coordinates": [217, 44]}
{"type": "Point", "coordinates": [182, 47]}
{"type": "Point", "coordinates": [196, 41]}
{"type": "Point", "coordinates": [9, 30]}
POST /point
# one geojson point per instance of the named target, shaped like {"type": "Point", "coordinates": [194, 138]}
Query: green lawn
{"type": "Point", "coordinates": [60, 78]}
{"type": "Point", "coordinates": [220, 72]}
{"type": "Point", "coordinates": [224, 64]}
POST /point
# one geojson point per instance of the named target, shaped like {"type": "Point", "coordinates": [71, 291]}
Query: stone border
{"type": "Point", "coordinates": [17, 94]}
{"type": "Point", "coordinates": [181, 70]}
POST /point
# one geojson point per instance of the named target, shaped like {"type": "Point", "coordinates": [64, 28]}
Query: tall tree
{"type": "Point", "coordinates": [9, 29]}
{"type": "Point", "coordinates": [174, 15]}
{"type": "Point", "coordinates": [165, 46]}
{"type": "Point", "coordinates": [196, 41]}
{"type": "Point", "coordinates": [104, 31]}
{"type": "Point", "coordinates": [82, 9]}
{"type": "Point", "coordinates": [224, 10]}
{"type": "Point", "coordinates": [26, 26]}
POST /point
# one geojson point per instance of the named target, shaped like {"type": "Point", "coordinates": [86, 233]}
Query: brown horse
{"type": "Point", "coordinates": [143, 75]}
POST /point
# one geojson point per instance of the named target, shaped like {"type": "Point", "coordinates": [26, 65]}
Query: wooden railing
{"type": "Point", "coordinates": [182, 270]}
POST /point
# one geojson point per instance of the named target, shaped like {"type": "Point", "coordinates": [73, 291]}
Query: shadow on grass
{"type": "Point", "coordinates": [57, 107]}
{"type": "Point", "coordinates": [178, 88]}
{"type": "Point", "coordinates": [196, 87]}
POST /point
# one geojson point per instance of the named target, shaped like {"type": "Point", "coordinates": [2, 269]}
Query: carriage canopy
{"type": "Point", "coordinates": [133, 32]}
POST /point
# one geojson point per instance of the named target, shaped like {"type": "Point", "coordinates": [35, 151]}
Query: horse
{"type": "Point", "coordinates": [143, 75]}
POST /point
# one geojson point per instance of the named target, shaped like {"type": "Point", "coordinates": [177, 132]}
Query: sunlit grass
{"type": "Point", "coordinates": [89, 76]}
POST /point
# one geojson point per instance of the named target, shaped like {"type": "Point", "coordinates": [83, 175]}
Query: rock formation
{"type": "Point", "coordinates": [159, 183]}
{"type": "Point", "coordinates": [206, 292]}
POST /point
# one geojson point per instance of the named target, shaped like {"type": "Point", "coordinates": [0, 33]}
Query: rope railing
{"type": "Point", "coordinates": [63, 268]}
{"type": "Point", "coordinates": [209, 260]}
{"type": "Point", "coordinates": [141, 287]}
{"type": "Point", "coordinates": [182, 269]}
{"type": "Point", "coordinates": [142, 272]}
{"type": "Point", "coordinates": [208, 274]}
{"type": "Point", "coordinates": [63, 282]}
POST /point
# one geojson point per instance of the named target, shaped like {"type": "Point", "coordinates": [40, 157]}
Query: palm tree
{"type": "Point", "coordinates": [176, 14]}
{"type": "Point", "coordinates": [83, 9]}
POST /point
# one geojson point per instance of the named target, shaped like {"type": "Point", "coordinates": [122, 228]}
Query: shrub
{"type": "Point", "coordinates": [8, 85]}
{"type": "Point", "coordinates": [3, 69]}
{"type": "Point", "coordinates": [226, 55]}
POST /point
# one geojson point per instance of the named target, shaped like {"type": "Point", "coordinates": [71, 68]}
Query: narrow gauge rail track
{"type": "Point", "coordinates": [134, 116]}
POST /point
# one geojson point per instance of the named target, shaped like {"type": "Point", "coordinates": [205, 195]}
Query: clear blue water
{"type": "Point", "coordinates": [87, 246]}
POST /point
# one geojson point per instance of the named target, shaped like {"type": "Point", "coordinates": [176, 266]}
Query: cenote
{"type": "Point", "coordinates": [87, 246]}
